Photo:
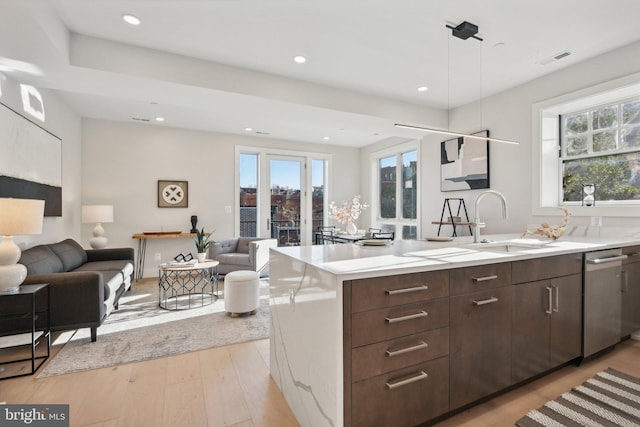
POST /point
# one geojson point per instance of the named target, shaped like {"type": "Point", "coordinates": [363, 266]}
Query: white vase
{"type": "Point", "coordinates": [351, 228]}
{"type": "Point", "coordinates": [201, 256]}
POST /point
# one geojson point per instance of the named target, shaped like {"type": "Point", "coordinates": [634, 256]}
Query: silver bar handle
{"type": "Point", "coordinates": [549, 291]}
{"type": "Point", "coordinates": [557, 306]}
{"type": "Point", "coordinates": [409, 317]}
{"type": "Point", "coordinates": [416, 347]}
{"type": "Point", "coordinates": [485, 278]}
{"type": "Point", "coordinates": [607, 259]}
{"type": "Point", "coordinates": [268, 224]}
{"type": "Point", "coordinates": [422, 375]}
{"type": "Point", "coordinates": [406, 290]}
{"type": "Point", "coordinates": [625, 281]}
{"type": "Point", "coordinates": [485, 301]}
{"type": "Point", "coordinates": [633, 254]}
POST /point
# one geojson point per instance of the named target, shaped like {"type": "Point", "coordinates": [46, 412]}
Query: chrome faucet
{"type": "Point", "coordinates": [477, 223]}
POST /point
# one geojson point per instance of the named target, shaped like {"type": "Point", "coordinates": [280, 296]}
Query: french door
{"type": "Point", "coordinates": [283, 209]}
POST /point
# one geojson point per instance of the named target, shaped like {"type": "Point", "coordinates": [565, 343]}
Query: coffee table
{"type": "Point", "coordinates": [184, 286]}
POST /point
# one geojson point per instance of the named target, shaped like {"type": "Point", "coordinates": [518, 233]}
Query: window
{"type": "Point", "coordinates": [280, 193]}
{"type": "Point", "coordinates": [398, 193]}
{"type": "Point", "coordinates": [601, 145]}
{"type": "Point", "coordinates": [248, 194]}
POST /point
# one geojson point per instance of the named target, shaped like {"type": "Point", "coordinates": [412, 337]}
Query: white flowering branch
{"type": "Point", "coordinates": [348, 212]}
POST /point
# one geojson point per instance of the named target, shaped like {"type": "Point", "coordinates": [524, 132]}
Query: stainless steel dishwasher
{"type": "Point", "coordinates": [602, 300]}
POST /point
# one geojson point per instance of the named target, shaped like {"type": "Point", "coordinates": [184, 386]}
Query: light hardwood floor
{"type": "Point", "coordinates": [231, 386]}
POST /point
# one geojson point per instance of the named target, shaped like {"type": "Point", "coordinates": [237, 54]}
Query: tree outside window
{"type": "Point", "coordinates": [602, 146]}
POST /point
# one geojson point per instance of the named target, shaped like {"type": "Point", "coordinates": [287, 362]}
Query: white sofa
{"type": "Point", "coordinates": [243, 253]}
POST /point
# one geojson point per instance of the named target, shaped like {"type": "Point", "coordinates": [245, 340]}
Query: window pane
{"type": "Point", "coordinates": [630, 136]}
{"type": "Point", "coordinates": [248, 186]}
{"type": "Point", "coordinates": [409, 232]}
{"type": "Point", "coordinates": [631, 112]}
{"type": "Point", "coordinates": [317, 200]}
{"type": "Point", "coordinates": [577, 123]}
{"type": "Point", "coordinates": [605, 117]}
{"type": "Point", "coordinates": [604, 141]}
{"type": "Point", "coordinates": [388, 187]}
{"type": "Point", "coordinates": [410, 187]}
{"type": "Point", "coordinates": [576, 145]}
{"type": "Point", "coordinates": [613, 175]}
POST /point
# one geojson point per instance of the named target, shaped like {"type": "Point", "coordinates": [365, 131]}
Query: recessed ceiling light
{"type": "Point", "coordinates": [248, 129]}
{"type": "Point", "coordinates": [326, 138]}
{"type": "Point", "coordinates": [159, 119]}
{"type": "Point", "coordinates": [300, 59]}
{"type": "Point", "coordinates": [131, 19]}
{"type": "Point", "coordinates": [423, 89]}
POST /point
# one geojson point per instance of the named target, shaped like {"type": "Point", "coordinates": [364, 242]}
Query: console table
{"type": "Point", "coordinates": [175, 281]}
{"type": "Point", "coordinates": [142, 245]}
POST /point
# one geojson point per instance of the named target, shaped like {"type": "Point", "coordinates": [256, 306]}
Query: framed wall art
{"type": "Point", "coordinates": [464, 163]}
{"type": "Point", "coordinates": [173, 194]}
{"type": "Point", "coordinates": [30, 161]}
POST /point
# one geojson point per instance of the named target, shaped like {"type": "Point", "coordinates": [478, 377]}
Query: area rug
{"type": "Point", "coordinates": [610, 398]}
{"type": "Point", "coordinates": [140, 330]}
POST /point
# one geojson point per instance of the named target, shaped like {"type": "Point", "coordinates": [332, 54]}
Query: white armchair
{"type": "Point", "coordinates": [243, 253]}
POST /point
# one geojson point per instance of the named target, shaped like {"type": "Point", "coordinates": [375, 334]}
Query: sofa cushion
{"type": "Point", "coordinates": [243, 245]}
{"type": "Point", "coordinates": [234, 258]}
{"type": "Point", "coordinates": [70, 253]}
{"type": "Point", "coordinates": [120, 265]}
{"type": "Point", "coordinates": [41, 260]}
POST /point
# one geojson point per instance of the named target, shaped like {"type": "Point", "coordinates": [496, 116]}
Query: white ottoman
{"type": "Point", "coordinates": [241, 292]}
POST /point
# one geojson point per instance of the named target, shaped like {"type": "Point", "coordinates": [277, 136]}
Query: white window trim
{"type": "Point", "coordinates": [374, 158]}
{"type": "Point", "coordinates": [546, 183]}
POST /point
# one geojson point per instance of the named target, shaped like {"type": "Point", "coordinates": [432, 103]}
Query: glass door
{"type": "Point", "coordinates": [286, 201]}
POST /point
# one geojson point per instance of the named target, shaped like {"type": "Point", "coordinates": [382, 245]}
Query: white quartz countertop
{"type": "Point", "coordinates": [353, 261]}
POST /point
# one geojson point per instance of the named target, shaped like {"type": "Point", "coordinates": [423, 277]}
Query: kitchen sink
{"type": "Point", "coordinates": [516, 245]}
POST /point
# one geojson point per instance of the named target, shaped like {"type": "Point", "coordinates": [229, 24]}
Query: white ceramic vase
{"type": "Point", "coordinates": [201, 256]}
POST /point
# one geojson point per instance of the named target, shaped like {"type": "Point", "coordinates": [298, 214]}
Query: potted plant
{"type": "Point", "coordinates": [202, 244]}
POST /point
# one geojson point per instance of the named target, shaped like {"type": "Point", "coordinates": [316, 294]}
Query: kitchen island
{"type": "Point", "coordinates": [379, 335]}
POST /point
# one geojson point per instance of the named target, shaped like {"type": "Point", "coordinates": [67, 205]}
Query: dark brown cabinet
{"type": "Point", "coordinates": [397, 372]}
{"type": "Point", "coordinates": [547, 325]}
{"type": "Point", "coordinates": [631, 291]}
{"type": "Point", "coordinates": [480, 328]}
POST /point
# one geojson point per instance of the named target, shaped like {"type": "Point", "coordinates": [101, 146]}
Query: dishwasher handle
{"type": "Point", "coordinates": [607, 259]}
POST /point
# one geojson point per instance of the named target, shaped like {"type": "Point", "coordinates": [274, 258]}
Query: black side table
{"type": "Point", "coordinates": [24, 330]}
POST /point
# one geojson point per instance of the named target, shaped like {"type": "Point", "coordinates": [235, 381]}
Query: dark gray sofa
{"type": "Point", "coordinates": [84, 285]}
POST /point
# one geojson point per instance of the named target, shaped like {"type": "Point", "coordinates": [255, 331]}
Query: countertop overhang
{"type": "Point", "coordinates": [354, 261]}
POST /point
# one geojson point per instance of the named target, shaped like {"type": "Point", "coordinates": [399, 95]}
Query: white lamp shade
{"type": "Point", "coordinates": [21, 216]}
{"type": "Point", "coordinates": [17, 216]}
{"type": "Point", "coordinates": [97, 213]}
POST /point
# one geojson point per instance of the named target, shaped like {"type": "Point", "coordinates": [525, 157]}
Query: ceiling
{"type": "Point", "coordinates": [227, 65]}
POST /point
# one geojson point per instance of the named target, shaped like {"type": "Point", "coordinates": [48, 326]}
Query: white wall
{"type": "Point", "coordinates": [509, 115]}
{"type": "Point", "coordinates": [65, 124]}
{"type": "Point", "coordinates": [122, 163]}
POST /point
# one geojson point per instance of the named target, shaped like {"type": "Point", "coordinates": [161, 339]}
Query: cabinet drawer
{"type": "Point", "coordinates": [376, 359]}
{"type": "Point", "coordinates": [535, 269]}
{"type": "Point", "coordinates": [380, 292]}
{"type": "Point", "coordinates": [479, 278]}
{"type": "Point", "coordinates": [380, 325]}
{"type": "Point", "coordinates": [406, 397]}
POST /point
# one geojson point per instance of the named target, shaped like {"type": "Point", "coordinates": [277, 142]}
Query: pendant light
{"type": "Point", "coordinates": [463, 31]}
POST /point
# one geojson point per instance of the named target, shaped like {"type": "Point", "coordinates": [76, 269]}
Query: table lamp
{"type": "Point", "coordinates": [17, 217]}
{"type": "Point", "coordinates": [97, 214]}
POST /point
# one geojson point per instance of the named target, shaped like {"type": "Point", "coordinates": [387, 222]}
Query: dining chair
{"type": "Point", "coordinates": [325, 235]}
{"type": "Point", "coordinates": [388, 235]}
